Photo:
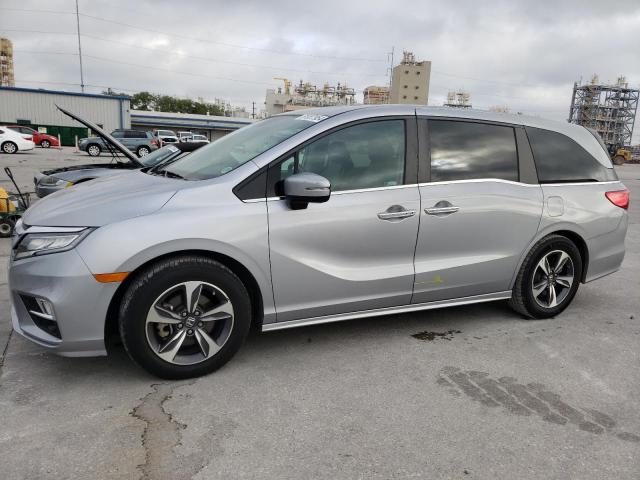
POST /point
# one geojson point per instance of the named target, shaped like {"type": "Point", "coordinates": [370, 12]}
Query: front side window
{"type": "Point", "coordinates": [239, 147]}
{"type": "Point", "coordinates": [367, 155]}
{"type": "Point", "coordinates": [560, 159]}
{"type": "Point", "coordinates": [468, 150]}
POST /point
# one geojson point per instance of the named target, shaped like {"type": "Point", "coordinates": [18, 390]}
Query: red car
{"type": "Point", "coordinates": [42, 139]}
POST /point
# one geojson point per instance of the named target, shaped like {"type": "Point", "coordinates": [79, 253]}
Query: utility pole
{"type": "Point", "coordinates": [253, 109]}
{"type": "Point", "coordinates": [79, 48]}
{"type": "Point", "coordinates": [390, 56]}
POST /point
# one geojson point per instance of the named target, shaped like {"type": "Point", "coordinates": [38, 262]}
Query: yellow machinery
{"type": "Point", "coordinates": [621, 156]}
{"type": "Point", "coordinates": [287, 85]}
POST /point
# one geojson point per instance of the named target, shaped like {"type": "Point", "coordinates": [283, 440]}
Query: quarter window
{"type": "Point", "coordinates": [468, 150]}
{"type": "Point", "coordinates": [559, 159]}
{"type": "Point", "coordinates": [366, 155]}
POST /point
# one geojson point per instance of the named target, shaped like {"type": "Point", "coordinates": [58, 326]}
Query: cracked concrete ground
{"type": "Point", "coordinates": [499, 397]}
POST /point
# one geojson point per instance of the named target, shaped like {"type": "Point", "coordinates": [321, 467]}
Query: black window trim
{"type": "Point", "coordinates": [410, 176]}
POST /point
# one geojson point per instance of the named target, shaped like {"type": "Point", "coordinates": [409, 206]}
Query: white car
{"type": "Point", "coordinates": [199, 139]}
{"type": "Point", "coordinates": [12, 141]}
{"type": "Point", "coordinates": [167, 136]}
{"type": "Point", "coordinates": [185, 136]}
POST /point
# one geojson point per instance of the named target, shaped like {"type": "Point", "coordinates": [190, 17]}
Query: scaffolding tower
{"type": "Point", "coordinates": [608, 109]}
{"type": "Point", "coordinates": [6, 63]}
{"type": "Point", "coordinates": [458, 99]}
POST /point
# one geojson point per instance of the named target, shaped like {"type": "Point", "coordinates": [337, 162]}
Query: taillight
{"type": "Point", "coordinates": [28, 137]}
{"type": "Point", "coordinates": [154, 142]}
{"type": "Point", "coordinates": [620, 198]}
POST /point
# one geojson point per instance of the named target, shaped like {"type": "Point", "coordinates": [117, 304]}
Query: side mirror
{"type": "Point", "coordinates": [301, 189]}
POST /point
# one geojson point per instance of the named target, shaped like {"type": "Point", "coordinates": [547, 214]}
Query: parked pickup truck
{"type": "Point", "coordinates": [138, 141]}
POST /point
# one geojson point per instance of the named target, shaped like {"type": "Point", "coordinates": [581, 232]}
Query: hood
{"type": "Point", "coordinates": [104, 200]}
{"type": "Point", "coordinates": [107, 138]}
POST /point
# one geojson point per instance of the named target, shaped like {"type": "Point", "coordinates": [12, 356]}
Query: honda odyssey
{"type": "Point", "coordinates": [318, 216]}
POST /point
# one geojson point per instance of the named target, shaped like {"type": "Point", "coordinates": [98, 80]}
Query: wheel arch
{"type": "Point", "coordinates": [247, 278]}
{"type": "Point", "coordinates": [565, 231]}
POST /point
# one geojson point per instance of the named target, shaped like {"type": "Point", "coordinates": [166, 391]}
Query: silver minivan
{"type": "Point", "coordinates": [318, 216]}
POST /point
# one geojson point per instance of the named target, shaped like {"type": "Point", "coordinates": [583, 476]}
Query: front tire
{"type": "Point", "coordinates": [9, 147]}
{"type": "Point", "coordinates": [142, 151]}
{"type": "Point", "coordinates": [184, 317]}
{"type": "Point", "coordinates": [45, 144]}
{"type": "Point", "coordinates": [618, 160]}
{"type": "Point", "coordinates": [94, 150]}
{"type": "Point", "coordinates": [548, 278]}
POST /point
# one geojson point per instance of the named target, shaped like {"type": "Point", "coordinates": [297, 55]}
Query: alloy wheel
{"type": "Point", "coordinates": [142, 151]}
{"type": "Point", "coordinates": [553, 278]}
{"type": "Point", "coordinates": [45, 144]}
{"type": "Point", "coordinates": [94, 151]}
{"type": "Point", "coordinates": [9, 147]}
{"type": "Point", "coordinates": [189, 323]}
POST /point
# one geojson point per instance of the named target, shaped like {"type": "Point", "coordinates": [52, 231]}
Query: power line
{"type": "Point", "coordinates": [197, 39]}
{"type": "Point", "coordinates": [203, 59]}
{"type": "Point", "coordinates": [231, 45]}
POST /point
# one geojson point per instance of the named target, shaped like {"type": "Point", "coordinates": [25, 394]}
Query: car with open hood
{"type": "Point", "coordinates": [318, 216]}
{"type": "Point", "coordinates": [122, 160]}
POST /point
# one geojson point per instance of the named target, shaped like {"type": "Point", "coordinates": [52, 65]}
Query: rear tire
{"type": "Point", "coordinates": [94, 150]}
{"type": "Point", "coordinates": [45, 144]}
{"type": "Point", "coordinates": [548, 278]}
{"type": "Point", "coordinates": [9, 147]}
{"type": "Point", "coordinates": [182, 346]}
{"type": "Point", "coordinates": [618, 160]}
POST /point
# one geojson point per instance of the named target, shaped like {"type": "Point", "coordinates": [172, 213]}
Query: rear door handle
{"type": "Point", "coordinates": [441, 210]}
{"type": "Point", "coordinates": [396, 215]}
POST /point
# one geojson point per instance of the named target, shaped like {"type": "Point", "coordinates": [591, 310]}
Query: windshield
{"type": "Point", "coordinates": [237, 148]}
{"type": "Point", "coordinates": [155, 158]}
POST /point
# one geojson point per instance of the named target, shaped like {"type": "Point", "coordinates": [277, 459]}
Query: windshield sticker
{"type": "Point", "coordinates": [312, 118]}
{"type": "Point", "coordinates": [173, 149]}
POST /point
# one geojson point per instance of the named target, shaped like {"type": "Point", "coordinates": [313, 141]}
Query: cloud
{"type": "Point", "coordinates": [521, 54]}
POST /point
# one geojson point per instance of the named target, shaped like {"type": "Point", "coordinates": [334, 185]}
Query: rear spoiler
{"type": "Point", "coordinates": [105, 136]}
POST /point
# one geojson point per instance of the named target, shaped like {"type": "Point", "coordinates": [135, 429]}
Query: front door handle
{"type": "Point", "coordinates": [396, 212]}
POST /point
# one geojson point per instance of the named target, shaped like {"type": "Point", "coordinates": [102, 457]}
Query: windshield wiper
{"type": "Point", "coordinates": [170, 174]}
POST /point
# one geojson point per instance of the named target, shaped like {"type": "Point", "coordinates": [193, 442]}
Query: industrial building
{"type": "Point", "coordinates": [7, 78]}
{"type": "Point", "coordinates": [37, 109]}
{"type": "Point", "coordinates": [458, 99]}
{"type": "Point", "coordinates": [375, 95]}
{"type": "Point", "coordinates": [410, 81]}
{"type": "Point", "coordinates": [608, 109]}
{"type": "Point", "coordinates": [212, 126]}
{"type": "Point", "coordinates": [306, 95]}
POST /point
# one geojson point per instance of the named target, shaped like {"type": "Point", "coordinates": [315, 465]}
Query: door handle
{"type": "Point", "coordinates": [441, 210]}
{"type": "Point", "coordinates": [396, 215]}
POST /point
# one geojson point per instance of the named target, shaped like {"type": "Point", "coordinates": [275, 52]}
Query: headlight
{"type": "Point", "coordinates": [54, 182]}
{"type": "Point", "coordinates": [44, 243]}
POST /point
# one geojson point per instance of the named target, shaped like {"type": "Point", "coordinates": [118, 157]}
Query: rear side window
{"type": "Point", "coordinates": [135, 134]}
{"type": "Point", "coordinates": [469, 150]}
{"type": "Point", "coordinates": [560, 159]}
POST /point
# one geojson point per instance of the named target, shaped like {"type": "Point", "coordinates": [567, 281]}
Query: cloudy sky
{"type": "Point", "coordinates": [523, 55]}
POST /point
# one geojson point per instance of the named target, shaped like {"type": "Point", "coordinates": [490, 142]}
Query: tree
{"type": "Point", "coordinates": [167, 103]}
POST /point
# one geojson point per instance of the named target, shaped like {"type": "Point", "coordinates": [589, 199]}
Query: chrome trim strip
{"type": "Point", "coordinates": [480, 180]}
{"type": "Point", "coordinates": [386, 311]}
{"type": "Point", "coordinates": [42, 315]}
{"type": "Point", "coordinates": [472, 180]}
{"type": "Point", "coordinates": [573, 184]}
{"type": "Point", "coordinates": [37, 229]}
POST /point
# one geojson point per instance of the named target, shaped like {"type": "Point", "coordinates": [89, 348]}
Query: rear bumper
{"type": "Point", "coordinates": [606, 252]}
{"type": "Point", "coordinates": [79, 302]}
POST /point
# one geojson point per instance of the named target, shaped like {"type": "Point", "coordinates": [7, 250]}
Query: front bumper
{"type": "Point", "coordinates": [79, 302]}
